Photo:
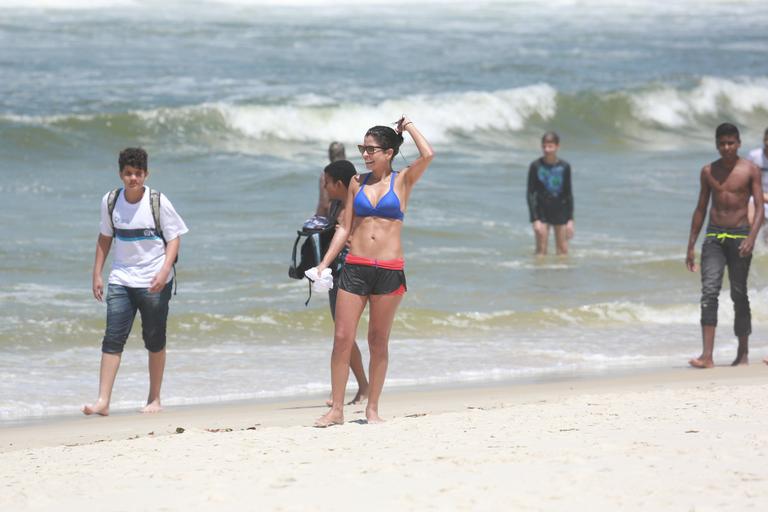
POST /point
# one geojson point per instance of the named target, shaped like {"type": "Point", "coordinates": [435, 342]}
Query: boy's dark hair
{"type": "Point", "coordinates": [550, 137]}
{"type": "Point", "coordinates": [341, 170]}
{"type": "Point", "coordinates": [386, 137]}
{"type": "Point", "coordinates": [766, 133]}
{"type": "Point", "coordinates": [726, 129]}
{"type": "Point", "coordinates": [134, 157]}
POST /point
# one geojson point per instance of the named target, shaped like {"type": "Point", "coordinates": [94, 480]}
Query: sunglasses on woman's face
{"type": "Point", "coordinates": [369, 149]}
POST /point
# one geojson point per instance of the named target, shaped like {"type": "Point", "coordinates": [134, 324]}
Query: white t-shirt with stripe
{"type": "Point", "coordinates": [139, 252]}
{"type": "Point", "coordinates": [757, 157]}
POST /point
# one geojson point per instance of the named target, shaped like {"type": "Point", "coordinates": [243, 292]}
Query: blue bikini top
{"type": "Point", "coordinates": [387, 207]}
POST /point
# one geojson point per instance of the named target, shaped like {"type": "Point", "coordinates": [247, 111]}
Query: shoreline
{"type": "Point", "coordinates": [532, 379]}
{"type": "Point", "coordinates": [78, 429]}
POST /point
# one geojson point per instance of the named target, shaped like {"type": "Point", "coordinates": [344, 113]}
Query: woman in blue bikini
{"type": "Point", "coordinates": [373, 273]}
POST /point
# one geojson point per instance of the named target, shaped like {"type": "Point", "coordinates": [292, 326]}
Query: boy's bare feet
{"type": "Point", "coordinates": [99, 407]}
{"type": "Point", "coordinates": [330, 419]}
{"type": "Point", "coordinates": [372, 416]}
{"type": "Point", "coordinates": [701, 362]}
{"type": "Point", "coordinates": [742, 359]}
{"type": "Point", "coordinates": [153, 406]}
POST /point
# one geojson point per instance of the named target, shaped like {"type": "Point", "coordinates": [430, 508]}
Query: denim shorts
{"type": "Point", "coordinates": [122, 304]}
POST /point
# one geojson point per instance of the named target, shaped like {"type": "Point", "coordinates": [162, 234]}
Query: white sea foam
{"type": "Point", "coordinates": [676, 108]}
{"type": "Point", "coordinates": [633, 313]}
{"type": "Point", "coordinates": [438, 115]}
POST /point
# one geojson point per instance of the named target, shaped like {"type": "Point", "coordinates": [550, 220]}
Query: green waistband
{"type": "Point", "coordinates": [723, 236]}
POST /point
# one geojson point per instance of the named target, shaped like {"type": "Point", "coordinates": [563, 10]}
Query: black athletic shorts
{"type": "Point", "coordinates": [366, 280]}
{"type": "Point", "coordinates": [553, 212]}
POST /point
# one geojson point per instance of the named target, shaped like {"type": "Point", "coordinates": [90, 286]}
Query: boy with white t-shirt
{"type": "Point", "coordinates": [759, 157]}
{"type": "Point", "coordinates": [140, 279]}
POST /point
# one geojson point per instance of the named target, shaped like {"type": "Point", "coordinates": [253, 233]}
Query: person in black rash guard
{"type": "Point", "coordinates": [550, 196]}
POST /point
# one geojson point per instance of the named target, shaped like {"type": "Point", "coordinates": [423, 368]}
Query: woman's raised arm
{"type": "Point", "coordinates": [413, 172]}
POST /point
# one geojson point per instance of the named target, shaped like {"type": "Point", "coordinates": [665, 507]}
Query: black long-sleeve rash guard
{"type": "Point", "coordinates": [550, 193]}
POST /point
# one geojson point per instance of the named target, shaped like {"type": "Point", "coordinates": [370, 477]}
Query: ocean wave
{"type": "Point", "coordinates": [644, 114]}
{"type": "Point", "coordinates": [313, 118]}
{"type": "Point", "coordinates": [264, 327]}
{"type": "Point", "coordinates": [597, 315]}
{"type": "Point", "coordinates": [312, 324]}
{"type": "Point", "coordinates": [710, 98]}
{"type": "Point", "coordinates": [602, 314]}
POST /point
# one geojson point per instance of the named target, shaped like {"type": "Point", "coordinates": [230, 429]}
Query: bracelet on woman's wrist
{"type": "Point", "coordinates": [406, 124]}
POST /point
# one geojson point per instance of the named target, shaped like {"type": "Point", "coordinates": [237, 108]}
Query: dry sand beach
{"type": "Point", "coordinates": [673, 440]}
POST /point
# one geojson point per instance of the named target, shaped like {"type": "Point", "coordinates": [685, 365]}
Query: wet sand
{"type": "Point", "coordinates": [679, 439]}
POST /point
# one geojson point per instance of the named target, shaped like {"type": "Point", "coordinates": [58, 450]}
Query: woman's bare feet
{"type": "Point", "coordinates": [702, 362]}
{"type": "Point", "coordinates": [330, 419]}
{"type": "Point", "coordinates": [153, 406]}
{"type": "Point", "coordinates": [100, 407]}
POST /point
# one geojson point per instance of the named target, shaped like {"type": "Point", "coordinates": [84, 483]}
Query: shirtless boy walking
{"type": "Point", "coordinates": [729, 240]}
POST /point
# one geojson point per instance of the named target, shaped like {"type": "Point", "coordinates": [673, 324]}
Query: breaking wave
{"type": "Point", "coordinates": [648, 113]}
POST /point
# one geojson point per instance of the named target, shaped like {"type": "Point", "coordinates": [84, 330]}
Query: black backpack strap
{"type": "Point", "coordinates": [309, 297]}
{"type": "Point", "coordinates": [111, 202]}
{"type": "Point", "coordinates": [154, 203]}
{"type": "Point", "coordinates": [292, 268]}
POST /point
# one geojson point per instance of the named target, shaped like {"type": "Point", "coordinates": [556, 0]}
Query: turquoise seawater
{"type": "Point", "coordinates": [236, 103]}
